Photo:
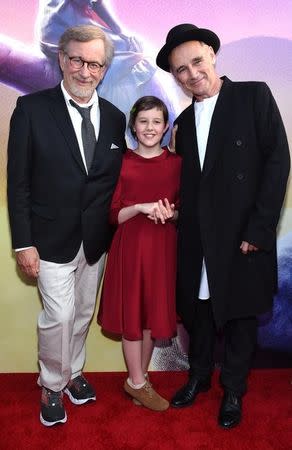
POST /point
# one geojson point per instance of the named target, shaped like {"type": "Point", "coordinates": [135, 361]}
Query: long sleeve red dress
{"type": "Point", "coordinates": [139, 284]}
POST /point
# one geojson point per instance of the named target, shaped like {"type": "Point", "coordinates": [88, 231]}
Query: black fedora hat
{"type": "Point", "coordinates": [183, 33]}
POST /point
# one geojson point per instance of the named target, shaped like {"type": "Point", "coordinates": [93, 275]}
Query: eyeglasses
{"type": "Point", "coordinates": [77, 63]}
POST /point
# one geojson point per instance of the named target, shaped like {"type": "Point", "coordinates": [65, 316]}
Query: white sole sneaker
{"type": "Point", "coordinates": [50, 424]}
{"type": "Point", "coordinates": [77, 401]}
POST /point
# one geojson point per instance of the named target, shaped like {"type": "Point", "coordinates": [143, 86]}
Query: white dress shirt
{"type": "Point", "coordinates": [203, 114]}
{"type": "Point", "coordinates": [76, 117]}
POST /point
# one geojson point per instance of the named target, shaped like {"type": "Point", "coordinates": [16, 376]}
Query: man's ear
{"type": "Point", "coordinates": [213, 56]}
{"type": "Point", "coordinates": [104, 69]}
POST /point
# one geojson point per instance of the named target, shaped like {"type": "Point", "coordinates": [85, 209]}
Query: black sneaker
{"type": "Point", "coordinates": [52, 409]}
{"type": "Point", "coordinates": [79, 391]}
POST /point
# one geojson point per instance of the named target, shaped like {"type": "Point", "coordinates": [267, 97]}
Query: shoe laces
{"type": "Point", "coordinates": [78, 383]}
{"type": "Point", "coordinates": [52, 398]}
{"type": "Point", "coordinates": [148, 389]}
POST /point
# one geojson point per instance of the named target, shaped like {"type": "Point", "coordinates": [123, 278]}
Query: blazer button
{"type": "Point", "coordinates": [239, 143]}
{"type": "Point", "coordinates": [240, 176]}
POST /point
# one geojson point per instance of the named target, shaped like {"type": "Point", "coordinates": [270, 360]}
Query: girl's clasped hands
{"type": "Point", "coordinates": [160, 211]}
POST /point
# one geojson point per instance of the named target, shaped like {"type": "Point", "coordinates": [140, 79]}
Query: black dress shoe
{"type": "Point", "coordinates": [187, 394]}
{"type": "Point", "coordinates": [230, 410]}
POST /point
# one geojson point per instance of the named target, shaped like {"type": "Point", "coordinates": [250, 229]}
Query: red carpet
{"type": "Point", "coordinates": [113, 422]}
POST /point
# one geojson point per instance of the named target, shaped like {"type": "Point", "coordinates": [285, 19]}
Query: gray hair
{"type": "Point", "coordinates": [87, 33]}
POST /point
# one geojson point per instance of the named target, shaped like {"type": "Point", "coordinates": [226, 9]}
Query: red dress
{"type": "Point", "coordinates": [139, 284]}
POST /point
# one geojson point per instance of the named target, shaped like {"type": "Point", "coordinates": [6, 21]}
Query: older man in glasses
{"type": "Point", "coordinates": [64, 156]}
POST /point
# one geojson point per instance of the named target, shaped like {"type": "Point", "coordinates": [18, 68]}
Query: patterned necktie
{"type": "Point", "coordinates": [87, 133]}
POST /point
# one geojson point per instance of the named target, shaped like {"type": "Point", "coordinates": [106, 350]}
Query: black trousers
{"type": "Point", "coordinates": [240, 341]}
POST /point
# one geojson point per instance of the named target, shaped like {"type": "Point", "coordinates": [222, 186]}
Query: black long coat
{"type": "Point", "coordinates": [237, 196]}
{"type": "Point", "coordinates": [53, 203]}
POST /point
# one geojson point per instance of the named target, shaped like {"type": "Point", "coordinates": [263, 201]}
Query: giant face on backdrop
{"type": "Point", "coordinates": [234, 173]}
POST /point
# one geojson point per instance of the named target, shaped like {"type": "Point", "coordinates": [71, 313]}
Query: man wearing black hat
{"type": "Point", "coordinates": [234, 174]}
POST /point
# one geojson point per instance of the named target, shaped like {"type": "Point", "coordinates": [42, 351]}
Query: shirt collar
{"type": "Point", "coordinates": [92, 101]}
{"type": "Point", "coordinates": [208, 102]}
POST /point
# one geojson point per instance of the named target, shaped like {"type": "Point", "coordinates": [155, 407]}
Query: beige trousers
{"type": "Point", "coordinates": [68, 294]}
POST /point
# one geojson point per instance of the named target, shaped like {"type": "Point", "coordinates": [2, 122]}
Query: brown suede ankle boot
{"type": "Point", "coordinates": [147, 397]}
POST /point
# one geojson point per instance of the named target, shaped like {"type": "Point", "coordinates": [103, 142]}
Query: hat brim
{"type": "Point", "coordinates": [200, 34]}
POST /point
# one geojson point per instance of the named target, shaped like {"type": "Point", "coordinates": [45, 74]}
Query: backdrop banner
{"type": "Point", "coordinates": [256, 42]}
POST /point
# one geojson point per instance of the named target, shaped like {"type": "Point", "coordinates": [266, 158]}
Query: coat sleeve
{"type": "Point", "coordinates": [18, 177]}
{"type": "Point", "coordinates": [275, 160]}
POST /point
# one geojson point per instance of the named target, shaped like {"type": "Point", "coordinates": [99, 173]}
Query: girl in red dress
{"type": "Point", "coordinates": [138, 300]}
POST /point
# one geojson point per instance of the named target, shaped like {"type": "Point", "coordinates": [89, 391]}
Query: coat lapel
{"type": "Point", "coordinates": [218, 127]}
{"type": "Point", "coordinates": [189, 131]}
{"type": "Point", "coordinates": [61, 116]}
